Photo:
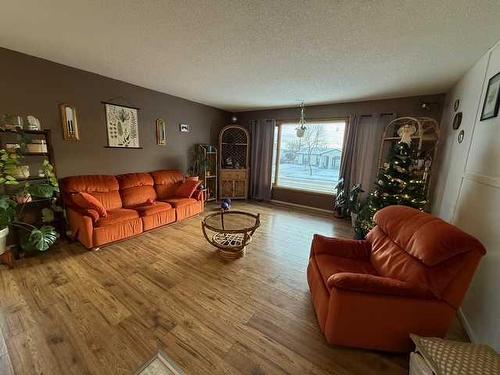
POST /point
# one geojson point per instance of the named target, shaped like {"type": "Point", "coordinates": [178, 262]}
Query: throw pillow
{"type": "Point", "coordinates": [87, 201]}
{"type": "Point", "coordinates": [187, 188]}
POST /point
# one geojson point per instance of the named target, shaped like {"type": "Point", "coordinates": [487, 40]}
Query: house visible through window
{"type": "Point", "coordinates": [311, 162]}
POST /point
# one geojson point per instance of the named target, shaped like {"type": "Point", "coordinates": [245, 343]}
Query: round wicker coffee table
{"type": "Point", "coordinates": [230, 231]}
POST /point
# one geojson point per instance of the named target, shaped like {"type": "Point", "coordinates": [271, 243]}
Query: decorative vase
{"type": "Point", "coordinates": [23, 198]}
{"type": "Point", "coordinates": [3, 239]}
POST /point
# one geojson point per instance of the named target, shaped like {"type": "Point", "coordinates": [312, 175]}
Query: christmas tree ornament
{"type": "Point", "coordinates": [406, 132]}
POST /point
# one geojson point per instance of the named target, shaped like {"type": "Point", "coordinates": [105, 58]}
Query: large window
{"type": "Point", "coordinates": [311, 162]}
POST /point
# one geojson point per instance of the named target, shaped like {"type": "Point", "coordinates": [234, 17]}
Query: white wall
{"type": "Point", "coordinates": [467, 193]}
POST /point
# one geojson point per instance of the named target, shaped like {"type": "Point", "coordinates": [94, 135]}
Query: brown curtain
{"type": "Point", "coordinates": [262, 133]}
{"type": "Point", "coordinates": [348, 151]}
{"type": "Point", "coordinates": [361, 149]}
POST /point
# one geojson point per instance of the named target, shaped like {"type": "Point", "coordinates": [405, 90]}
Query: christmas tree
{"type": "Point", "coordinates": [395, 184]}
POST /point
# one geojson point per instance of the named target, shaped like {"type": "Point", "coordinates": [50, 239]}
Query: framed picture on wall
{"type": "Point", "coordinates": [161, 132]}
{"type": "Point", "coordinates": [491, 100]}
{"type": "Point", "coordinates": [184, 128]}
{"type": "Point", "coordinates": [69, 123]}
{"type": "Point", "coordinates": [122, 126]}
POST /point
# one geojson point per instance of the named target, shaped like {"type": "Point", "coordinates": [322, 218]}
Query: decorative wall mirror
{"type": "Point", "coordinates": [457, 120]}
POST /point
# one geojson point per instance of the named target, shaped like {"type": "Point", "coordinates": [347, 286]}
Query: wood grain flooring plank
{"type": "Point", "coordinates": [71, 311]}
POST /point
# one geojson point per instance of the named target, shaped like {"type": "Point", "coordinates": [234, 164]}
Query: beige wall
{"type": "Point", "coordinates": [468, 192]}
{"type": "Point", "coordinates": [410, 106]}
{"type": "Point", "coordinates": [30, 85]}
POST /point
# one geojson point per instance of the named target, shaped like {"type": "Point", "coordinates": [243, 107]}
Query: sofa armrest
{"type": "Point", "coordinates": [93, 214]}
{"type": "Point", "coordinates": [372, 284]}
{"type": "Point", "coordinates": [354, 249]}
{"type": "Point", "coordinates": [199, 195]}
{"type": "Point", "coordinates": [81, 225]}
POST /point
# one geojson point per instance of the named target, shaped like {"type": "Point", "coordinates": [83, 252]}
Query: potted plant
{"type": "Point", "coordinates": [32, 238]}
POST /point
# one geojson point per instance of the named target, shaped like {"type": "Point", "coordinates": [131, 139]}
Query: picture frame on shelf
{"type": "Point", "coordinates": [184, 128]}
{"type": "Point", "coordinates": [492, 98]}
{"type": "Point", "coordinates": [122, 126]}
{"type": "Point", "coordinates": [69, 123]}
{"type": "Point", "coordinates": [161, 132]}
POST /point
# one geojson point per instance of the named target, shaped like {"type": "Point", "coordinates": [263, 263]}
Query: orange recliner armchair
{"type": "Point", "coordinates": [410, 275]}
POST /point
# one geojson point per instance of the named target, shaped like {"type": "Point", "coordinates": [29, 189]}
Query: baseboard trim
{"type": "Point", "coordinates": [301, 206]}
{"type": "Point", "coordinates": [466, 325]}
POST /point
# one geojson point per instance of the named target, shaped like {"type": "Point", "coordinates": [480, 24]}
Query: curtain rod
{"type": "Point", "coordinates": [381, 114]}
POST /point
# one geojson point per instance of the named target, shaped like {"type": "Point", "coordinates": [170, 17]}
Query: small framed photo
{"type": "Point", "coordinates": [491, 101]}
{"type": "Point", "coordinates": [161, 132]}
{"type": "Point", "coordinates": [69, 123]}
{"type": "Point", "coordinates": [184, 128]}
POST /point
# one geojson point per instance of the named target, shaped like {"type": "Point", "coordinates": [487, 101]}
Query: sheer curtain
{"type": "Point", "coordinates": [262, 133]}
{"type": "Point", "coordinates": [361, 149]}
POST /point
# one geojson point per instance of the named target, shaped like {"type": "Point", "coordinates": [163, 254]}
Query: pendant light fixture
{"type": "Point", "coordinates": [301, 129]}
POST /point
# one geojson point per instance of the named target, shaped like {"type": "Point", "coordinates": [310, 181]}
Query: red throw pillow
{"type": "Point", "coordinates": [87, 201]}
{"type": "Point", "coordinates": [187, 188]}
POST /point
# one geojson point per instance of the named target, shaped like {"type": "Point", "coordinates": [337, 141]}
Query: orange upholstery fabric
{"type": "Point", "coordinates": [151, 209]}
{"type": "Point", "coordinates": [117, 231]}
{"type": "Point", "coordinates": [81, 227]}
{"type": "Point", "coordinates": [89, 202]}
{"type": "Point", "coordinates": [136, 188]}
{"type": "Point", "coordinates": [186, 207]}
{"type": "Point", "coordinates": [159, 218]}
{"type": "Point", "coordinates": [409, 276]}
{"type": "Point", "coordinates": [104, 188]}
{"type": "Point", "coordinates": [117, 215]}
{"type": "Point", "coordinates": [156, 214]}
{"type": "Point", "coordinates": [187, 188]}
{"type": "Point", "coordinates": [166, 182]}
{"type": "Point", "coordinates": [180, 201]}
{"type": "Point", "coordinates": [130, 201]}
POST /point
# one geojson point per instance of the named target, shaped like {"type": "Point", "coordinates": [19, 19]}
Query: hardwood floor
{"type": "Point", "coordinates": [72, 311]}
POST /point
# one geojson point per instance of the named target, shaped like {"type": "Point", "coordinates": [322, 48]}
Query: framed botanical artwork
{"type": "Point", "coordinates": [491, 100]}
{"type": "Point", "coordinates": [161, 132]}
{"type": "Point", "coordinates": [69, 123]}
{"type": "Point", "coordinates": [122, 126]}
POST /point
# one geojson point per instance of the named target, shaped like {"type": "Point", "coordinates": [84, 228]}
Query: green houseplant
{"type": "Point", "coordinates": [32, 238]}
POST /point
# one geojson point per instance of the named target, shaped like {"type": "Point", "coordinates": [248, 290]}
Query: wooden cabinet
{"type": "Point", "coordinates": [234, 172]}
{"type": "Point", "coordinates": [234, 184]}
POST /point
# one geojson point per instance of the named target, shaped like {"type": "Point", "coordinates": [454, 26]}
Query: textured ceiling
{"type": "Point", "coordinates": [240, 55]}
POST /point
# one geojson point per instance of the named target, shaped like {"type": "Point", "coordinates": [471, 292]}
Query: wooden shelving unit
{"type": "Point", "coordinates": [32, 211]}
{"type": "Point", "coordinates": [234, 172]}
{"type": "Point", "coordinates": [206, 159]}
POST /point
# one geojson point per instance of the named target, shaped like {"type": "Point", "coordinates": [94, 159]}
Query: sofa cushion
{"type": "Point", "coordinates": [89, 202]}
{"type": "Point", "coordinates": [151, 209]}
{"type": "Point", "coordinates": [166, 182]}
{"type": "Point", "coordinates": [425, 237]}
{"type": "Point", "coordinates": [136, 188]}
{"type": "Point", "coordinates": [187, 188]}
{"type": "Point", "coordinates": [329, 265]}
{"type": "Point", "coordinates": [180, 201]}
{"type": "Point", "coordinates": [117, 215]}
{"type": "Point", "coordinates": [104, 188]}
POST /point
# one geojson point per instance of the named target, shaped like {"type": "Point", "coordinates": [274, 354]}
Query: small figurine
{"type": "Point", "coordinates": [226, 204]}
{"type": "Point", "coordinates": [33, 123]}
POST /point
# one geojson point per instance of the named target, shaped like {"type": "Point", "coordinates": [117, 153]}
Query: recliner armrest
{"type": "Point", "coordinates": [340, 247]}
{"type": "Point", "coordinates": [93, 214]}
{"type": "Point", "coordinates": [372, 284]}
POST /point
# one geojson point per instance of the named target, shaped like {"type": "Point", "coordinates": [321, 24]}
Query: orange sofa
{"type": "Point", "coordinates": [133, 203]}
{"type": "Point", "coordinates": [410, 275]}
